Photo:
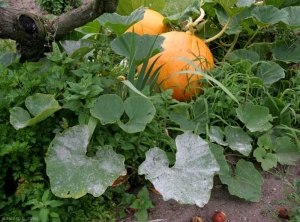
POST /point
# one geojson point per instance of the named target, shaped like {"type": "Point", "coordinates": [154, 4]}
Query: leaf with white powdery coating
{"type": "Point", "coordinates": [72, 173]}
{"type": "Point", "coordinates": [190, 180]}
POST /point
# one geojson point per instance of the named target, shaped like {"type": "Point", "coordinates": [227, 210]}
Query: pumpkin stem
{"type": "Point", "coordinates": [220, 33]}
{"type": "Point", "coordinates": [190, 26]}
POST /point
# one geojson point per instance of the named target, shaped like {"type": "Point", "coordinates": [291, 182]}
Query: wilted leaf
{"type": "Point", "coordinates": [190, 179]}
{"type": "Point", "coordinates": [72, 173]}
{"type": "Point", "coordinates": [255, 117]}
{"type": "Point", "coordinates": [41, 106]}
{"type": "Point", "coordinates": [245, 182]}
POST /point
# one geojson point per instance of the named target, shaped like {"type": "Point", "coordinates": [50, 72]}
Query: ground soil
{"type": "Point", "coordinates": [236, 209]}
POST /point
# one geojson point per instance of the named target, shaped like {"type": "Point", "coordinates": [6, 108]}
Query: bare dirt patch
{"type": "Point", "coordinates": [236, 209]}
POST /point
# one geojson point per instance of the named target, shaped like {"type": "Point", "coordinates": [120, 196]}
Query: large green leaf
{"type": "Point", "coordinates": [125, 7]}
{"type": "Point", "coordinates": [118, 23]}
{"type": "Point", "coordinates": [191, 178]}
{"type": "Point", "coordinates": [243, 54]}
{"type": "Point", "coordinates": [269, 15]}
{"type": "Point", "coordinates": [270, 72]}
{"type": "Point", "coordinates": [140, 111]}
{"type": "Point", "coordinates": [230, 6]}
{"type": "Point", "coordinates": [287, 51]}
{"type": "Point", "coordinates": [286, 151]}
{"type": "Point", "coordinates": [108, 108]}
{"type": "Point", "coordinates": [72, 173]}
{"type": "Point", "coordinates": [143, 45]}
{"type": "Point", "coordinates": [41, 106]}
{"type": "Point", "coordinates": [78, 48]}
{"type": "Point", "coordinates": [245, 182]}
{"type": "Point", "coordinates": [238, 139]}
{"type": "Point", "coordinates": [293, 16]}
{"type": "Point", "coordinates": [255, 117]}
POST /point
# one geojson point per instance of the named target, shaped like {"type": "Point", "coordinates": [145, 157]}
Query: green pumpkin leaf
{"type": "Point", "coordinates": [140, 111]}
{"type": "Point", "coordinates": [286, 151]}
{"type": "Point", "coordinates": [292, 19]}
{"type": "Point", "coordinates": [255, 117]}
{"type": "Point", "coordinates": [286, 50]}
{"type": "Point", "coordinates": [73, 174]}
{"type": "Point", "coordinates": [245, 182]}
{"type": "Point", "coordinates": [269, 15]}
{"type": "Point", "coordinates": [218, 152]}
{"type": "Point", "coordinates": [267, 160]}
{"type": "Point", "coordinates": [243, 54]}
{"type": "Point", "coordinates": [118, 23]}
{"type": "Point", "coordinates": [270, 72]}
{"type": "Point", "coordinates": [41, 106]}
{"type": "Point", "coordinates": [81, 47]}
{"type": "Point", "coordinates": [125, 7]}
{"type": "Point", "coordinates": [238, 140]}
{"type": "Point", "coordinates": [190, 180]}
{"type": "Point", "coordinates": [108, 108]}
{"type": "Point", "coordinates": [143, 45]}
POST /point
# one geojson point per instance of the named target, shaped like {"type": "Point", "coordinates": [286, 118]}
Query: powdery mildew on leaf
{"type": "Point", "coordinates": [190, 180]}
{"type": "Point", "coordinates": [72, 173]}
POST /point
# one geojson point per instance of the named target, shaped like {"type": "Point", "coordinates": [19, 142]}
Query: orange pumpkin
{"type": "Point", "coordinates": [151, 24]}
{"type": "Point", "coordinates": [180, 44]}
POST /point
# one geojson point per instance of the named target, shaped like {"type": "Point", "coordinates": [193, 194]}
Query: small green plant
{"type": "Point", "coordinates": [142, 204]}
{"type": "Point", "coordinates": [58, 7]}
{"type": "Point", "coordinates": [45, 209]}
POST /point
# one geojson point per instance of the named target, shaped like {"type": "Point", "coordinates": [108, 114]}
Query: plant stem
{"type": "Point", "coordinates": [248, 42]}
{"type": "Point", "coordinates": [220, 33]}
{"type": "Point", "coordinates": [236, 37]}
{"type": "Point", "coordinates": [92, 125]}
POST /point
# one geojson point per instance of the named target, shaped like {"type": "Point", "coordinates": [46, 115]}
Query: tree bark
{"type": "Point", "coordinates": [34, 34]}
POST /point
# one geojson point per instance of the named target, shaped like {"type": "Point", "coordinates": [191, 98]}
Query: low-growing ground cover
{"type": "Point", "coordinates": [57, 132]}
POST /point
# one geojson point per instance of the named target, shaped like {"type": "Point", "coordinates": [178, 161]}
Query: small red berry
{"type": "Point", "coordinates": [283, 213]}
{"type": "Point", "coordinates": [219, 217]}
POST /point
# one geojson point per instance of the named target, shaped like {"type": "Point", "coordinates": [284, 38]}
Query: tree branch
{"type": "Point", "coordinates": [34, 34]}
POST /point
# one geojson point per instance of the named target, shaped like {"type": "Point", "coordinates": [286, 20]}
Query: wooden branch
{"type": "Point", "coordinates": [34, 34]}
